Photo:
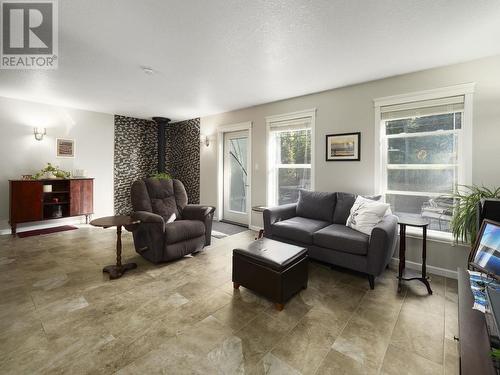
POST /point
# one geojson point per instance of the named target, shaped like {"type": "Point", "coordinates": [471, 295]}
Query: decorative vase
{"type": "Point", "coordinates": [57, 212]}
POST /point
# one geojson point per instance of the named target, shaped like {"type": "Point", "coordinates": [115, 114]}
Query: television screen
{"type": "Point", "coordinates": [487, 249]}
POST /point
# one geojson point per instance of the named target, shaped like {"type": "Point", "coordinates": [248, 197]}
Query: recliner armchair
{"type": "Point", "coordinates": [160, 236]}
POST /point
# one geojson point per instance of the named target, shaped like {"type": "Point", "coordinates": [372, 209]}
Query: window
{"type": "Point", "coordinates": [422, 157]}
{"type": "Point", "coordinates": [289, 158]}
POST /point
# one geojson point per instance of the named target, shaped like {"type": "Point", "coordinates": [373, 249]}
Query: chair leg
{"type": "Point", "coordinates": [371, 280]}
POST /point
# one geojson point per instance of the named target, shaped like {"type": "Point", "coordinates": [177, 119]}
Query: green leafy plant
{"type": "Point", "coordinates": [464, 221]}
{"type": "Point", "coordinates": [495, 353]}
{"type": "Point", "coordinates": [51, 169]}
{"type": "Point", "coordinates": [161, 176]}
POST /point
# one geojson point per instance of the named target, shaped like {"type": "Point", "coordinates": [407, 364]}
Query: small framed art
{"type": "Point", "coordinates": [65, 148]}
{"type": "Point", "coordinates": [343, 147]}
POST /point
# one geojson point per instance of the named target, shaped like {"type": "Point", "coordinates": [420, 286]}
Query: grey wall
{"type": "Point", "coordinates": [21, 154]}
{"type": "Point", "coordinates": [136, 145]}
{"type": "Point", "coordinates": [351, 109]}
{"type": "Point", "coordinates": [183, 155]}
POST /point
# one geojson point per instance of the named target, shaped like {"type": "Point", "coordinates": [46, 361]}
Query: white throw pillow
{"type": "Point", "coordinates": [366, 214]}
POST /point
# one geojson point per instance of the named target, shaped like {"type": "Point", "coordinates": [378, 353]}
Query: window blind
{"type": "Point", "coordinates": [290, 125]}
{"type": "Point", "coordinates": [423, 108]}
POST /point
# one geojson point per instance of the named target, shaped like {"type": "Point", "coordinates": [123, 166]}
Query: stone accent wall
{"type": "Point", "coordinates": [183, 155]}
{"type": "Point", "coordinates": [136, 147]}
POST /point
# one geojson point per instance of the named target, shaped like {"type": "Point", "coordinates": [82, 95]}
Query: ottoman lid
{"type": "Point", "coordinates": [274, 254]}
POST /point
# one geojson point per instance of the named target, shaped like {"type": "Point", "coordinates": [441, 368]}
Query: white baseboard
{"type": "Point", "coordinates": [255, 228]}
{"type": "Point", "coordinates": [43, 225]}
{"type": "Point", "coordinates": [430, 269]}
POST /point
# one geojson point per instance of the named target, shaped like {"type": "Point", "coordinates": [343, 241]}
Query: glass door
{"type": "Point", "coordinates": [236, 168]}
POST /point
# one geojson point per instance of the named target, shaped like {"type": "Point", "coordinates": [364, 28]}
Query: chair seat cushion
{"type": "Point", "coordinates": [298, 229]}
{"type": "Point", "coordinates": [182, 230]}
{"type": "Point", "coordinates": [342, 238]}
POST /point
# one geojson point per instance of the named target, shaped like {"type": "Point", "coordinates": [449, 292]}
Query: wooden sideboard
{"type": "Point", "coordinates": [69, 197]}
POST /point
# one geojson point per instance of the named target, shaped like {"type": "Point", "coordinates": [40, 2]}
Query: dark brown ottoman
{"type": "Point", "coordinates": [273, 269]}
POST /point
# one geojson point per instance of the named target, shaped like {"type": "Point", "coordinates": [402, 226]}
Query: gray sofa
{"type": "Point", "coordinates": [154, 201]}
{"type": "Point", "coordinates": [318, 221]}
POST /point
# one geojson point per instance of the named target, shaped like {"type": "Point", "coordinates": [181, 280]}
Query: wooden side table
{"type": "Point", "coordinates": [261, 210]}
{"type": "Point", "coordinates": [116, 271]}
{"type": "Point", "coordinates": [408, 275]}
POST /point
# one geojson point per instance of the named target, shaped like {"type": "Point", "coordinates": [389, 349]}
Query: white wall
{"type": "Point", "coordinates": [351, 109]}
{"type": "Point", "coordinates": [21, 154]}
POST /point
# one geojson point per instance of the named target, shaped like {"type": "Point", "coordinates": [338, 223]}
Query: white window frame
{"type": "Point", "coordinates": [465, 140]}
{"type": "Point", "coordinates": [271, 176]}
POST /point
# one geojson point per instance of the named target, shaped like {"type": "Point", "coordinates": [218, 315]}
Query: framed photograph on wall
{"type": "Point", "coordinates": [343, 147]}
{"type": "Point", "coordinates": [65, 148]}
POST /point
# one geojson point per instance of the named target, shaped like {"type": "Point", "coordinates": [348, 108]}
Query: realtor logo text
{"type": "Point", "coordinates": [29, 34]}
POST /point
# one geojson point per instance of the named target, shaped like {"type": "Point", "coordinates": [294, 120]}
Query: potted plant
{"type": "Point", "coordinates": [464, 221]}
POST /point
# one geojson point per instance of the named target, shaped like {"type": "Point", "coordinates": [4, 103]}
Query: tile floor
{"type": "Point", "coordinates": [60, 315]}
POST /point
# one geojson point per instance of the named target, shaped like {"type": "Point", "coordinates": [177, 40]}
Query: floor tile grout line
{"type": "Point", "coordinates": [392, 330]}
{"type": "Point", "coordinates": [343, 328]}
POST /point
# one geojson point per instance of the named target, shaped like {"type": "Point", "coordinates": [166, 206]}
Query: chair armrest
{"type": "Point", "coordinates": [278, 213]}
{"type": "Point", "coordinates": [197, 212]}
{"type": "Point", "coordinates": [147, 219]}
{"type": "Point", "coordinates": [149, 233]}
{"type": "Point", "coordinates": [382, 244]}
{"type": "Point", "coordinates": [201, 213]}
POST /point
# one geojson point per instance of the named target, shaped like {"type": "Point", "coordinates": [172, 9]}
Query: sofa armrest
{"type": "Point", "coordinates": [382, 244]}
{"type": "Point", "coordinates": [278, 213]}
{"type": "Point", "coordinates": [197, 212]}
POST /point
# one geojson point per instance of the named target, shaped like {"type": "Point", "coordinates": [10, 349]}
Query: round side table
{"type": "Point", "coordinates": [116, 271]}
{"type": "Point", "coordinates": [404, 274]}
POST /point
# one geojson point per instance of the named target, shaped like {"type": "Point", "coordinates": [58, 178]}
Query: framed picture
{"type": "Point", "coordinates": [65, 148]}
{"type": "Point", "coordinates": [343, 147]}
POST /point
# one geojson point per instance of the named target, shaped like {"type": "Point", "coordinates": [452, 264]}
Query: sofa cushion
{"type": "Point", "coordinates": [342, 238]}
{"type": "Point", "coordinates": [182, 230]}
{"type": "Point", "coordinates": [300, 229]}
{"type": "Point", "coordinates": [343, 207]}
{"type": "Point", "coordinates": [316, 205]}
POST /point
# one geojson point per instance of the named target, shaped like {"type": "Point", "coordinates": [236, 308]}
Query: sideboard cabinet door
{"type": "Point", "coordinates": [26, 201]}
{"type": "Point", "coordinates": [81, 197]}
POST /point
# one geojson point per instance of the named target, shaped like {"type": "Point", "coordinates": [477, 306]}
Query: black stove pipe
{"type": "Point", "coordinates": [162, 123]}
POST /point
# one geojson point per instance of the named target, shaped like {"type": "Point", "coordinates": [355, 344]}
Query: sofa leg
{"type": "Point", "coordinates": [371, 280]}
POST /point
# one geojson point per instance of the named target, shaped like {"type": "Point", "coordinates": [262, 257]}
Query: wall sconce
{"type": "Point", "coordinates": [39, 133]}
{"type": "Point", "coordinates": [205, 140]}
